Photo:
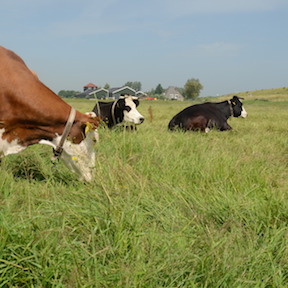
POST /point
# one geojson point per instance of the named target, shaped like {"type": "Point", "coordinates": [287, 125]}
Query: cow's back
{"type": "Point", "coordinates": [103, 109]}
{"type": "Point", "coordinates": [20, 90]}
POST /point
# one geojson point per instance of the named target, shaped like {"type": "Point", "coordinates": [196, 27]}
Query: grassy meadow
{"type": "Point", "coordinates": [166, 209]}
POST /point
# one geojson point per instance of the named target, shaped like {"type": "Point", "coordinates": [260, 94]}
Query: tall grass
{"type": "Point", "coordinates": [165, 210]}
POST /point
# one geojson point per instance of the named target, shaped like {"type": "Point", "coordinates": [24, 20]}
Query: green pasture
{"type": "Point", "coordinates": [166, 209]}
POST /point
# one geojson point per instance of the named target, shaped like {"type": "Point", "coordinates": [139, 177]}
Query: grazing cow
{"type": "Point", "coordinates": [204, 116]}
{"type": "Point", "coordinates": [115, 112]}
{"type": "Point", "coordinates": [31, 113]}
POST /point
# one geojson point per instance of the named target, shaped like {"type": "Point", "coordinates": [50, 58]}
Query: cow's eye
{"type": "Point", "coordinates": [127, 108]}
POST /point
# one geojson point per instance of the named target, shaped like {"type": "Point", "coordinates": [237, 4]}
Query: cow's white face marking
{"type": "Point", "coordinates": [7, 148]}
{"type": "Point", "coordinates": [244, 114]}
{"type": "Point", "coordinates": [80, 158]}
{"type": "Point", "coordinates": [133, 115]}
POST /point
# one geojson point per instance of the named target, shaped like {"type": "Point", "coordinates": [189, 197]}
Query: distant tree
{"type": "Point", "coordinates": [159, 89]}
{"type": "Point", "coordinates": [68, 93]}
{"type": "Point", "coordinates": [151, 92]}
{"type": "Point", "coordinates": [136, 85]}
{"type": "Point", "coordinates": [107, 86]}
{"type": "Point", "coordinates": [192, 88]}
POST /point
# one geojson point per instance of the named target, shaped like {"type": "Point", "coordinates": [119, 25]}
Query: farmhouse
{"type": "Point", "coordinates": [90, 87]}
{"type": "Point", "coordinates": [91, 90]}
{"type": "Point", "coordinates": [115, 93]}
{"type": "Point", "coordinates": [172, 93]}
{"type": "Point", "coordinates": [141, 94]}
{"type": "Point", "coordinates": [87, 89]}
{"type": "Point", "coordinates": [100, 93]}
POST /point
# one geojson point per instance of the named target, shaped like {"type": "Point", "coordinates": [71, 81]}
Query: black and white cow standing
{"type": "Point", "coordinates": [203, 117]}
{"type": "Point", "coordinates": [122, 110]}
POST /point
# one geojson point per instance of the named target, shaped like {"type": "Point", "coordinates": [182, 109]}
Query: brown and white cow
{"type": "Point", "coordinates": [31, 113]}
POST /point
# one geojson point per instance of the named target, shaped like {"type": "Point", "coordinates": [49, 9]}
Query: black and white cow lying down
{"type": "Point", "coordinates": [203, 117]}
{"type": "Point", "coordinates": [118, 111]}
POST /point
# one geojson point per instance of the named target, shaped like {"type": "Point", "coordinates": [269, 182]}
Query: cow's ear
{"type": "Point", "coordinates": [92, 123]}
{"type": "Point", "coordinates": [235, 98]}
{"type": "Point", "coordinates": [89, 127]}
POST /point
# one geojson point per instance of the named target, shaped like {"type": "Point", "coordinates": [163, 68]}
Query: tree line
{"type": "Point", "coordinates": [191, 89]}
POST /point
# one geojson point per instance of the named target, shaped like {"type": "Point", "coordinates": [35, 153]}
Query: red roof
{"type": "Point", "coordinates": [90, 85]}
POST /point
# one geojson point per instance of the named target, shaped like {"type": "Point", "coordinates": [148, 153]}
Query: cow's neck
{"type": "Point", "coordinates": [225, 109]}
{"type": "Point", "coordinates": [110, 114]}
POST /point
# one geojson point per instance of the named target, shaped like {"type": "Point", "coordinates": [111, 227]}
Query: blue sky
{"type": "Point", "coordinates": [229, 45]}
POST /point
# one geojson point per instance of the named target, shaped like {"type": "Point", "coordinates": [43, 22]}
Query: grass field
{"type": "Point", "coordinates": [165, 210]}
{"type": "Point", "coordinates": [276, 94]}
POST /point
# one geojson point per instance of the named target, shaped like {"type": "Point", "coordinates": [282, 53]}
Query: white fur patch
{"type": "Point", "coordinates": [133, 115]}
{"type": "Point", "coordinates": [7, 148]}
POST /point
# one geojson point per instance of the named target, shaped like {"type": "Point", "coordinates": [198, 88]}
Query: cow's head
{"type": "Point", "coordinates": [238, 108]}
{"type": "Point", "coordinates": [128, 108]}
{"type": "Point", "coordinates": [79, 148]}
{"type": "Point", "coordinates": [80, 157]}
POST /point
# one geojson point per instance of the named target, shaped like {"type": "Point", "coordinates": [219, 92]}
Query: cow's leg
{"type": "Point", "coordinates": [209, 125]}
{"type": "Point", "coordinates": [225, 126]}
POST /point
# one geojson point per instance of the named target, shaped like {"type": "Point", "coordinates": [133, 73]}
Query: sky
{"type": "Point", "coordinates": [229, 45]}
